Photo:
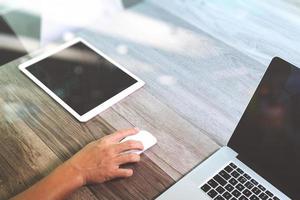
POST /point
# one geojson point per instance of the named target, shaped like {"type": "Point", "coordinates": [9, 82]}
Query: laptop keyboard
{"type": "Point", "coordinates": [232, 183]}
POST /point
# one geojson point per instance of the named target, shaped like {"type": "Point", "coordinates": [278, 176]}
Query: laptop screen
{"type": "Point", "coordinates": [267, 137]}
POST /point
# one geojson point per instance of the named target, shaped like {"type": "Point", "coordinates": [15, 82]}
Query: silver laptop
{"type": "Point", "coordinates": [262, 158]}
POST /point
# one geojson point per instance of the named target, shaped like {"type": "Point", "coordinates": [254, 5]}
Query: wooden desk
{"type": "Point", "coordinates": [196, 90]}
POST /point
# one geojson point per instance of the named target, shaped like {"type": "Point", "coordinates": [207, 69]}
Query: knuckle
{"type": "Point", "coordinates": [134, 157]}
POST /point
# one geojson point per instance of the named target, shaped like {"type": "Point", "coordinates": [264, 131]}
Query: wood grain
{"type": "Point", "coordinates": [204, 80]}
{"type": "Point", "coordinates": [62, 137]}
{"type": "Point", "coordinates": [147, 182]}
{"type": "Point", "coordinates": [260, 29]}
{"type": "Point", "coordinates": [200, 68]}
{"type": "Point", "coordinates": [24, 157]}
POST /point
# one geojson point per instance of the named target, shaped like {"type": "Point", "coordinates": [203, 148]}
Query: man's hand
{"type": "Point", "coordinates": [100, 160]}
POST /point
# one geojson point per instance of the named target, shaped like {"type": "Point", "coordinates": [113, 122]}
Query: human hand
{"type": "Point", "coordinates": [100, 160]}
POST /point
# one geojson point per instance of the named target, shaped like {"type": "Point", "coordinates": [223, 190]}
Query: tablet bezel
{"type": "Point", "coordinates": [98, 109]}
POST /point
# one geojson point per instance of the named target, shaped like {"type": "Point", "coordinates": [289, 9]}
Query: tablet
{"type": "Point", "coordinates": [81, 78]}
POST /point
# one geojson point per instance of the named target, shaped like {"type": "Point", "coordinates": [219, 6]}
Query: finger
{"type": "Point", "coordinates": [123, 173]}
{"type": "Point", "coordinates": [128, 158]}
{"type": "Point", "coordinates": [129, 145]}
{"type": "Point", "coordinates": [119, 135]}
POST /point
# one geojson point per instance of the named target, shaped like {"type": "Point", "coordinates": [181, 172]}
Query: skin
{"type": "Point", "coordinates": [97, 162]}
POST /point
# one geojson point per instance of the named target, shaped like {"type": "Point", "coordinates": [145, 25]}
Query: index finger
{"type": "Point", "coordinates": [129, 145]}
{"type": "Point", "coordinates": [119, 135]}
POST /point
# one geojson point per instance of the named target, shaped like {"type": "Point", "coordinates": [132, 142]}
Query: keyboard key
{"type": "Point", "coordinates": [253, 197]}
{"type": "Point", "coordinates": [263, 196]}
{"type": "Point", "coordinates": [261, 187]}
{"type": "Point", "coordinates": [256, 191]}
{"type": "Point", "coordinates": [235, 174]}
{"type": "Point", "coordinates": [270, 194]}
{"type": "Point", "coordinates": [220, 190]}
{"type": "Point", "coordinates": [240, 171]}
{"type": "Point", "coordinates": [232, 165]}
{"type": "Point", "coordinates": [233, 181]}
{"type": "Point", "coordinates": [229, 187]}
{"type": "Point", "coordinates": [220, 180]}
{"type": "Point", "coordinates": [254, 182]}
{"type": "Point", "coordinates": [243, 198]}
{"type": "Point", "coordinates": [212, 183]}
{"type": "Point", "coordinates": [228, 169]}
{"type": "Point", "coordinates": [247, 176]}
{"type": "Point", "coordinates": [247, 193]}
{"type": "Point", "coordinates": [242, 179]}
{"type": "Point", "coordinates": [219, 198]}
{"type": "Point", "coordinates": [236, 193]}
{"type": "Point", "coordinates": [206, 188]}
{"type": "Point", "coordinates": [227, 195]}
{"type": "Point", "coordinates": [212, 193]}
{"type": "Point", "coordinates": [249, 185]}
{"type": "Point", "coordinates": [240, 187]}
{"type": "Point", "coordinates": [224, 174]}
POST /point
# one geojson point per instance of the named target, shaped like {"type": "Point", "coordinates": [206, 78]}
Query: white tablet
{"type": "Point", "coordinates": [81, 78]}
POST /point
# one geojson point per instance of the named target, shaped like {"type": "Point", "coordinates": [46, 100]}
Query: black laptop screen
{"type": "Point", "coordinates": [267, 137]}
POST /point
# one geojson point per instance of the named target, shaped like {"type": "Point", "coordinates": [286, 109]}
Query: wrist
{"type": "Point", "coordinates": [74, 175]}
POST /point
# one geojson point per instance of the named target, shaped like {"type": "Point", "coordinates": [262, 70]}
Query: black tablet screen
{"type": "Point", "coordinates": [82, 78]}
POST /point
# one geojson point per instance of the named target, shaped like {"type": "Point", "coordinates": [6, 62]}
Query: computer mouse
{"type": "Point", "coordinates": [143, 136]}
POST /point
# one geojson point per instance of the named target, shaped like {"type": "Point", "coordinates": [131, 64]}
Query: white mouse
{"type": "Point", "coordinates": [143, 136]}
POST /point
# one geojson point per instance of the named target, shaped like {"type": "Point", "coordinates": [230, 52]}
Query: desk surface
{"type": "Point", "coordinates": [198, 82]}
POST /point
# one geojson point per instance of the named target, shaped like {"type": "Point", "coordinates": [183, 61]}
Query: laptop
{"type": "Point", "coordinates": [262, 158]}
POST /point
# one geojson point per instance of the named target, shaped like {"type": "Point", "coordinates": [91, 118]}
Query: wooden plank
{"type": "Point", "coordinates": [260, 29]}
{"type": "Point", "coordinates": [64, 135]}
{"type": "Point", "coordinates": [147, 182]}
{"type": "Point", "coordinates": [82, 194]}
{"type": "Point", "coordinates": [175, 135]}
{"type": "Point", "coordinates": [196, 88]}
{"type": "Point", "coordinates": [204, 80]}
{"type": "Point", "coordinates": [118, 121]}
{"type": "Point", "coordinates": [24, 157]}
